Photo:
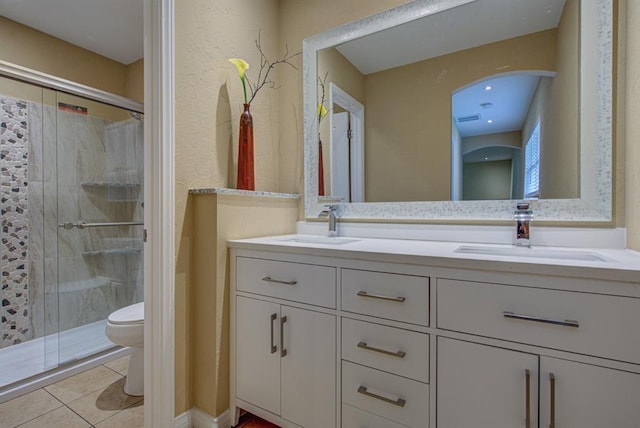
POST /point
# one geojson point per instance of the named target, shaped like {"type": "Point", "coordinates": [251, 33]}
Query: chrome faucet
{"type": "Point", "coordinates": [332, 214]}
{"type": "Point", "coordinates": [523, 216]}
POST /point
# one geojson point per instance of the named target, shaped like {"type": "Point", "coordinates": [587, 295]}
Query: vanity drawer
{"type": "Point", "coordinates": [585, 323]}
{"type": "Point", "coordinates": [402, 400]}
{"type": "Point", "coordinates": [386, 295]}
{"type": "Point", "coordinates": [402, 352]}
{"type": "Point", "coordinates": [312, 284]}
{"type": "Point", "coordinates": [355, 418]}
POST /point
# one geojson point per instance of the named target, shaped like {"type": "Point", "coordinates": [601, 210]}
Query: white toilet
{"type": "Point", "coordinates": [125, 327]}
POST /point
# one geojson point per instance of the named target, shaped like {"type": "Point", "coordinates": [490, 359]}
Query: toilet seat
{"type": "Point", "coordinates": [133, 314]}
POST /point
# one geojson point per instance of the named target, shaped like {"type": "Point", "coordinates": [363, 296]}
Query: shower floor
{"type": "Point", "coordinates": [27, 359]}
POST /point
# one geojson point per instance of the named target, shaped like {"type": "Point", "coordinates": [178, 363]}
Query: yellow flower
{"type": "Point", "coordinates": [322, 112]}
{"type": "Point", "coordinates": [242, 67]}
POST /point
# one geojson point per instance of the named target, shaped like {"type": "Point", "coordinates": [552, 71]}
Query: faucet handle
{"type": "Point", "coordinates": [333, 207]}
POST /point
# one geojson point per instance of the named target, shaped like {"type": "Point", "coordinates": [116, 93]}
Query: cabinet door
{"type": "Point", "coordinates": [485, 387]}
{"type": "Point", "coordinates": [588, 396]}
{"type": "Point", "coordinates": [257, 363]}
{"type": "Point", "coordinates": [309, 368]}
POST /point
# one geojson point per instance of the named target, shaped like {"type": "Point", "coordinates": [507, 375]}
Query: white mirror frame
{"type": "Point", "coordinates": [596, 184]}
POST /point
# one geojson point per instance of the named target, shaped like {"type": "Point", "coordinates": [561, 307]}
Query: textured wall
{"type": "Point", "coordinates": [632, 131]}
{"type": "Point", "coordinates": [208, 106]}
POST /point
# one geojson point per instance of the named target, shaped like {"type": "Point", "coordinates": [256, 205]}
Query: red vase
{"type": "Point", "coordinates": [320, 169]}
{"type": "Point", "coordinates": [246, 178]}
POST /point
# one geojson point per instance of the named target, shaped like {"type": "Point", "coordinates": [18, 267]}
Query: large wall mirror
{"type": "Point", "coordinates": [453, 109]}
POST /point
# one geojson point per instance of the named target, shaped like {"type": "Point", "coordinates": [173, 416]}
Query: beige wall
{"type": "Point", "coordinates": [208, 105]}
{"type": "Point", "coordinates": [219, 218]}
{"type": "Point", "coordinates": [419, 150]}
{"type": "Point", "coordinates": [560, 149]}
{"type": "Point", "coordinates": [632, 128]}
{"type": "Point", "coordinates": [135, 81]}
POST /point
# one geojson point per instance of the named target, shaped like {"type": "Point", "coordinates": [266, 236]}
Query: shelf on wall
{"type": "Point", "coordinates": [115, 191]}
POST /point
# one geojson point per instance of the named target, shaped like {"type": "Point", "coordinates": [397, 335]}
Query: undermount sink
{"type": "Point", "coordinates": [324, 240]}
{"type": "Point", "coordinates": [541, 253]}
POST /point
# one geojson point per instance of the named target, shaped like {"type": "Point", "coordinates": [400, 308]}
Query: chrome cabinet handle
{"type": "Point", "coordinates": [380, 297]}
{"type": "Point", "coordinates": [283, 352]}
{"type": "Point", "coordinates": [527, 375]}
{"type": "Point", "coordinates": [567, 323]}
{"type": "Point", "coordinates": [279, 281]}
{"type": "Point", "coordinates": [552, 416]}
{"type": "Point", "coordinates": [399, 354]}
{"type": "Point", "coordinates": [399, 402]}
{"type": "Point", "coordinates": [274, 348]}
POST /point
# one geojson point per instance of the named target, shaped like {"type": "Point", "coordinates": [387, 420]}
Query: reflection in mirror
{"type": "Point", "coordinates": [496, 138]}
{"type": "Point", "coordinates": [431, 130]}
{"type": "Point", "coordinates": [408, 104]}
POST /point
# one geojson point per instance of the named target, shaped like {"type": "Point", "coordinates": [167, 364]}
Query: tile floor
{"type": "Point", "coordinates": [94, 398]}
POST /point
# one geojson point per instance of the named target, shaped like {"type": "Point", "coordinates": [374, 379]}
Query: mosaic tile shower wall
{"type": "Point", "coordinates": [14, 235]}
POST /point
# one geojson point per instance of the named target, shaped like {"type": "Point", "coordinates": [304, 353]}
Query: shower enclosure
{"type": "Point", "coordinates": [71, 188]}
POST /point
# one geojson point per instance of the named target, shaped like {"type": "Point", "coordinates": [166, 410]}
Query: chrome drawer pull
{"type": "Point", "coordinates": [377, 296]}
{"type": "Point", "coordinates": [399, 402]}
{"type": "Point", "coordinates": [278, 281]}
{"type": "Point", "coordinates": [567, 323]}
{"type": "Point", "coordinates": [399, 354]}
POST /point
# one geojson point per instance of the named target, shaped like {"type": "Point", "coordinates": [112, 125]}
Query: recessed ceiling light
{"type": "Point", "coordinates": [489, 121]}
{"type": "Point", "coordinates": [488, 88]}
{"type": "Point", "coordinates": [486, 158]}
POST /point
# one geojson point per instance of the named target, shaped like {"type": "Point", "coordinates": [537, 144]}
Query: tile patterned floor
{"type": "Point", "coordinates": [92, 399]}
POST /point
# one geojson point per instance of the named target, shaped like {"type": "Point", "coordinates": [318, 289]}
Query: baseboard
{"type": "Point", "coordinates": [183, 420]}
{"type": "Point", "coordinates": [201, 419]}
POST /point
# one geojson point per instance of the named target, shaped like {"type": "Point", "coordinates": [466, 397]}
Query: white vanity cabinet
{"type": "Point", "coordinates": [388, 340]}
{"type": "Point", "coordinates": [285, 355]}
{"type": "Point", "coordinates": [487, 386]}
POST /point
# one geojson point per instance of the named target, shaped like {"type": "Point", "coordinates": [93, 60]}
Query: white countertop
{"type": "Point", "coordinates": [619, 265]}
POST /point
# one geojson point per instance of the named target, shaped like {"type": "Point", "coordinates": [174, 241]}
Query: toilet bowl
{"type": "Point", "coordinates": [125, 327]}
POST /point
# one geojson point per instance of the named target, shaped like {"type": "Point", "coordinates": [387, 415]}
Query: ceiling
{"type": "Point", "coordinates": [483, 22]}
{"type": "Point", "coordinates": [505, 104]}
{"type": "Point", "coordinates": [112, 28]}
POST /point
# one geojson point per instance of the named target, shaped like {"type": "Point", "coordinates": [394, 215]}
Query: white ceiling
{"type": "Point", "coordinates": [470, 25]}
{"type": "Point", "coordinates": [510, 97]}
{"type": "Point", "coordinates": [112, 28]}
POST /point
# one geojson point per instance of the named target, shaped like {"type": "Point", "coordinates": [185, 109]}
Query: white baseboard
{"type": "Point", "coordinates": [196, 418]}
{"type": "Point", "coordinates": [183, 421]}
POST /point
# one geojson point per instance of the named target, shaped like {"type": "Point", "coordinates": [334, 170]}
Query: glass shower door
{"type": "Point", "coordinates": [22, 352]}
{"type": "Point", "coordinates": [99, 211]}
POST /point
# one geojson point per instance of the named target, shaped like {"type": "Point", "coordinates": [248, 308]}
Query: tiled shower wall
{"type": "Point", "coordinates": [14, 237]}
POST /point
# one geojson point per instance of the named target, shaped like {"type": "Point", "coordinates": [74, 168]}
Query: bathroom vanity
{"type": "Point", "coordinates": [341, 332]}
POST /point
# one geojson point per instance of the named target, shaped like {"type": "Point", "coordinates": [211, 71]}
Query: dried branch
{"type": "Point", "coordinates": [322, 82]}
{"type": "Point", "coordinates": [265, 68]}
